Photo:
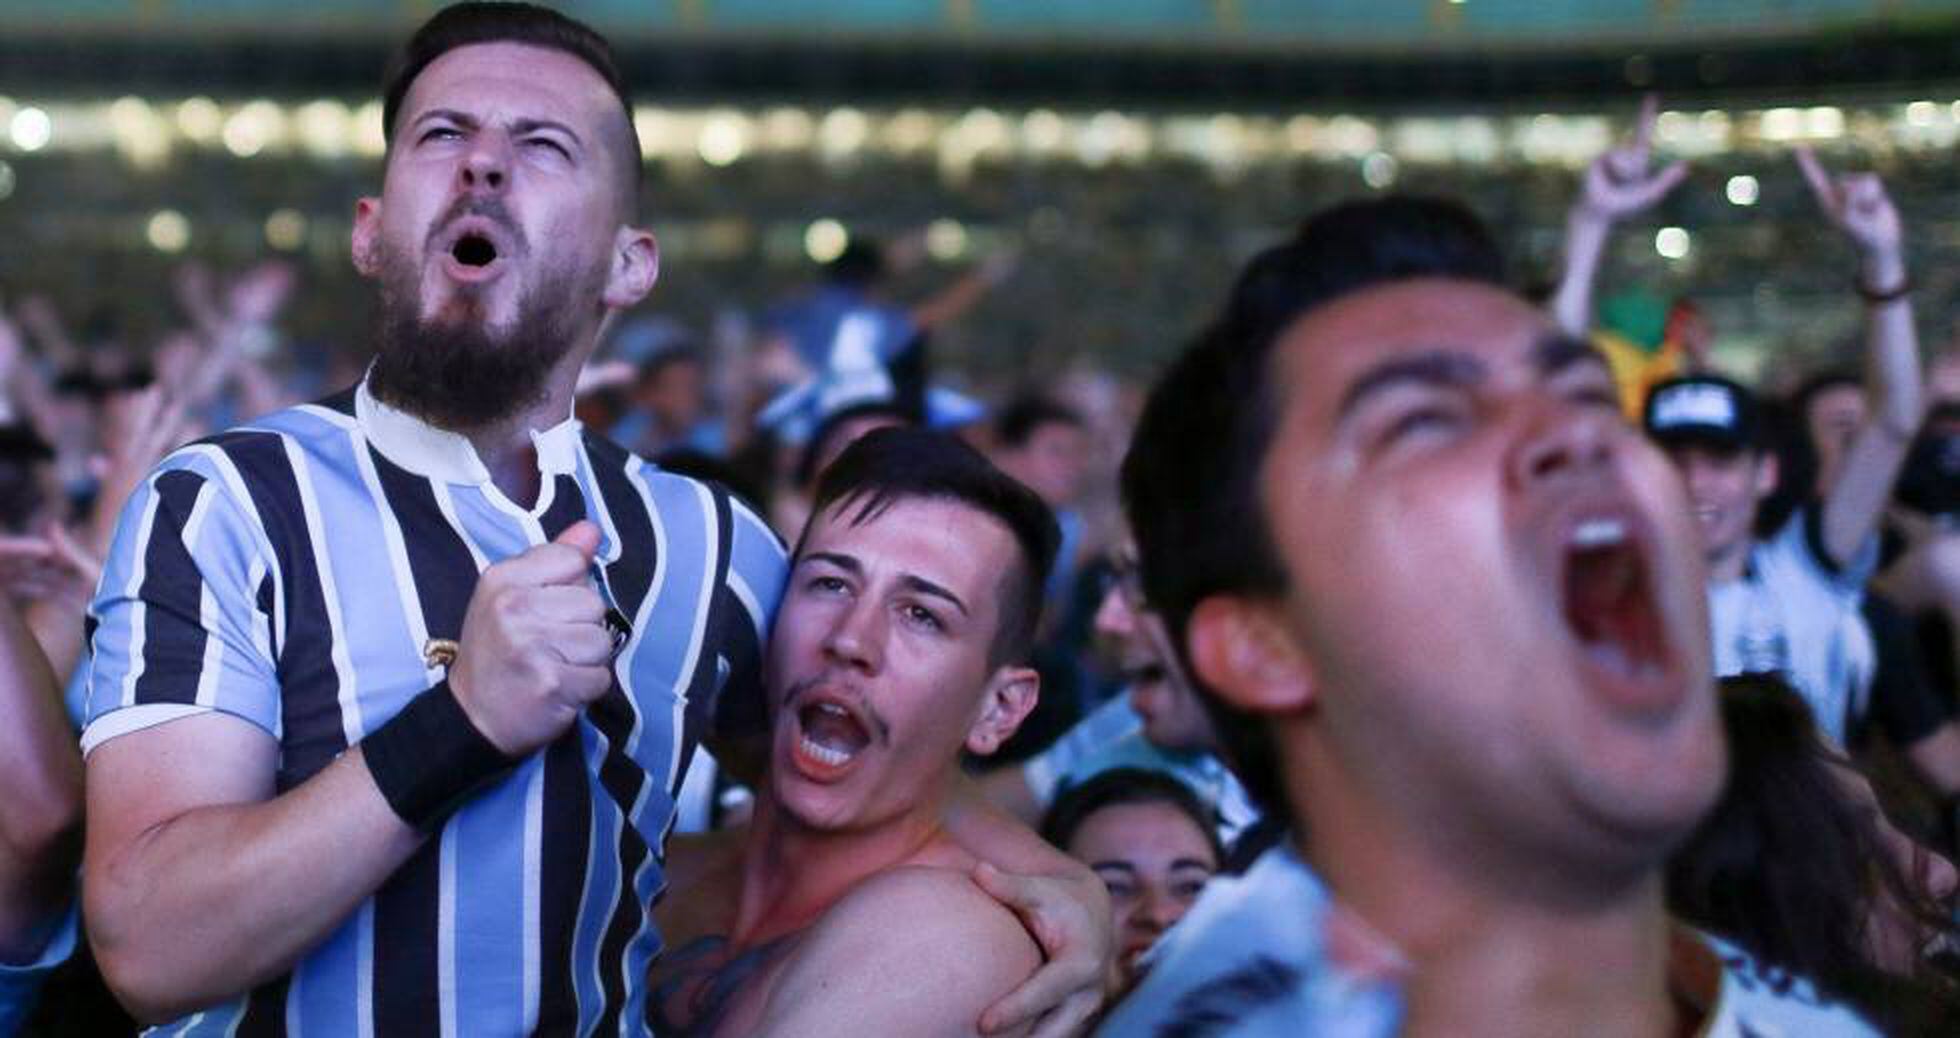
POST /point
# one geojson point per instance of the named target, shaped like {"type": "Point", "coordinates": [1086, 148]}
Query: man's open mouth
{"type": "Point", "coordinates": [1609, 599]}
{"type": "Point", "coordinates": [830, 734]}
{"type": "Point", "coordinates": [474, 250]}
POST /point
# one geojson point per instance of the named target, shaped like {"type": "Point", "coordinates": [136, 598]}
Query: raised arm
{"type": "Point", "coordinates": [41, 808]}
{"type": "Point", "coordinates": [1617, 185]}
{"type": "Point", "coordinates": [1856, 203]}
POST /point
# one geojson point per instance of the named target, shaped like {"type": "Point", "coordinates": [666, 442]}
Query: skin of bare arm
{"type": "Point", "coordinates": [40, 813]}
{"type": "Point", "coordinates": [1618, 184]}
{"type": "Point", "coordinates": [1060, 902]}
{"type": "Point", "coordinates": [1857, 204]}
{"type": "Point", "coordinates": [189, 848]}
{"type": "Point", "coordinates": [912, 951]}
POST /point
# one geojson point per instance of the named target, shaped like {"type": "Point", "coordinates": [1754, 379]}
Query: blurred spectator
{"type": "Point", "coordinates": [1150, 839]}
{"type": "Point", "coordinates": [1800, 868]}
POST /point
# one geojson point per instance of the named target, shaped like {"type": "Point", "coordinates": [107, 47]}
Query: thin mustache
{"type": "Point", "coordinates": [802, 688]}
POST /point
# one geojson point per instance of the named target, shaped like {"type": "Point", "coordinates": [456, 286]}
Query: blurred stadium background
{"type": "Point", "coordinates": [1131, 151]}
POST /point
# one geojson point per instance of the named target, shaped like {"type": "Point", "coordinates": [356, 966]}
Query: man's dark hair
{"type": "Point", "coordinates": [466, 24]}
{"type": "Point", "coordinates": [1190, 480]}
{"type": "Point", "coordinates": [1023, 416]}
{"type": "Point", "coordinates": [887, 466]}
{"type": "Point", "coordinates": [1127, 786]}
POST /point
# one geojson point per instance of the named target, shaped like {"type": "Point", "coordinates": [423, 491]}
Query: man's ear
{"type": "Point", "coordinates": [635, 267]}
{"type": "Point", "coordinates": [1010, 697]}
{"type": "Point", "coordinates": [366, 237]}
{"type": "Point", "coordinates": [1243, 652]}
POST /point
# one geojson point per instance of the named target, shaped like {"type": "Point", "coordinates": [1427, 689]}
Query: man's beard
{"type": "Point", "coordinates": [456, 372]}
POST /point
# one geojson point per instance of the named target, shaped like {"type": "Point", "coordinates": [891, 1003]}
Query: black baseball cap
{"type": "Point", "coordinates": [1703, 411]}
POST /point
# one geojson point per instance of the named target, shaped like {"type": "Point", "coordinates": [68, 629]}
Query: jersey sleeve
{"type": "Point", "coordinates": [758, 566]}
{"type": "Point", "coordinates": [183, 621]}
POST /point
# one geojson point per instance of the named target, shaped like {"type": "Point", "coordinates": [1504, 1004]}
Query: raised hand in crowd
{"type": "Point", "coordinates": [139, 428]}
{"type": "Point", "coordinates": [1621, 183]}
{"type": "Point", "coordinates": [50, 577]}
{"type": "Point", "coordinates": [1857, 205]}
{"type": "Point", "coordinates": [233, 332]}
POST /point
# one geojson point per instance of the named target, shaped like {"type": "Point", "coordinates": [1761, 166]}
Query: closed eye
{"type": "Point", "coordinates": [549, 144]}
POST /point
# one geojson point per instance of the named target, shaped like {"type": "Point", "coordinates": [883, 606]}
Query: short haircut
{"type": "Point", "coordinates": [468, 24]}
{"type": "Point", "coordinates": [1116, 786]}
{"type": "Point", "coordinates": [1191, 479]}
{"type": "Point", "coordinates": [887, 466]}
{"type": "Point", "coordinates": [1023, 416]}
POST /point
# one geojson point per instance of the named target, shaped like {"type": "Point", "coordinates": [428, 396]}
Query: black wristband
{"type": "Point", "coordinates": [428, 759]}
{"type": "Point", "coordinates": [1879, 297]}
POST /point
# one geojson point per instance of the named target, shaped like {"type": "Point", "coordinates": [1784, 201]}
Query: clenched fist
{"type": "Point", "coordinates": [534, 648]}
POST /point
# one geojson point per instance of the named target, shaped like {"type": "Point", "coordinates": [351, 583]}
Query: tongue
{"type": "Point", "coordinates": [1606, 602]}
{"type": "Point", "coordinates": [833, 731]}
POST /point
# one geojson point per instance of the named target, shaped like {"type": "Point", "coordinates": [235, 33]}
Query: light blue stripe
{"type": "Point", "coordinates": [490, 907]}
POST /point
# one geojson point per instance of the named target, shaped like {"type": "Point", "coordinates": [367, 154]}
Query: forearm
{"type": "Point", "coordinates": [40, 811]}
{"type": "Point", "coordinates": [1585, 246]}
{"type": "Point", "coordinates": [1892, 375]}
{"type": "Point", "coordinates": [250, 887]}
{"type": "Point", "coordinates": [989, 833]}
{"type": "Point", "coordinates": [1854, 503]}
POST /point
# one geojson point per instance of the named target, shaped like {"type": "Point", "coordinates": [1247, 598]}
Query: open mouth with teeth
{"type": "Point", "coordinates": [829, 736]}
{"type": "Point", "coordinates": [1609, 601]}
{"type": "Point", "coordinates": [474, 250]}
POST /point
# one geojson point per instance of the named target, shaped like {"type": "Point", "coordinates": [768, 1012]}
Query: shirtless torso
{"type": "Point", "coordinates": [915, 942]}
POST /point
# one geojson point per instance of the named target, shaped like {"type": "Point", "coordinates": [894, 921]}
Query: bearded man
{"type": "Point", "coordinates": [391, 694]}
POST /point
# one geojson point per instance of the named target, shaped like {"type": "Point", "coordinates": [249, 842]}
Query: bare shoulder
{"type": "Point", "coordinates": [912, 950]}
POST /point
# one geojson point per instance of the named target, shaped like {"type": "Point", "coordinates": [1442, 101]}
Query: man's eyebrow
{"type": "Point", "coordinates": [844, 562]}
{"type": "Point", "coordinates": [529, 125]}
{"type": "Point", "coordinates": [927, 587]}
{"type": "Point", "coordinates": [1118, 866]}
{"type": "Point", "coordinates": [1554, 352]}
{"type": "Point", "coordinates": [518, 126]}
{"type": "Point", "coordinates": [446, 115]}
{"type": "Point", "coordinates": [1436, 367]}
{"type": "Point", "coordinates": [1193, 863]}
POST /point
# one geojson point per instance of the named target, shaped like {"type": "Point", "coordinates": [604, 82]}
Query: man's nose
{"type": "Point", "coordinates": [1561, 439]}
{"type": "Point", "coordinates": [486, 168]}
{"type": "Point", "coordinates": [856, 639]}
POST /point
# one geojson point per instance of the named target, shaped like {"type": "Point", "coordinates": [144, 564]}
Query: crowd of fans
{"type": "Point", "coordinates": [1262, 640]}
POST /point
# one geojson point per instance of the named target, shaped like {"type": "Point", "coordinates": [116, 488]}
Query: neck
{"type": "Point", "coordinates": [1492, 948]}
{"type": "Point", "coordinates": [1727, 565]}
{"type": "Point", "coordinates": [792, 873]}
{"type": "Point", "coordinates": [505, 447]}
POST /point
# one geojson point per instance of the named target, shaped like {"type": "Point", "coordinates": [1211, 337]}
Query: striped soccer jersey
{"type": "Point", "coordinates": [289, 573]}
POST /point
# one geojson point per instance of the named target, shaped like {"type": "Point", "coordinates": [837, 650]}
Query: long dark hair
{"type": "Point", "coordinates": [1791, 867]}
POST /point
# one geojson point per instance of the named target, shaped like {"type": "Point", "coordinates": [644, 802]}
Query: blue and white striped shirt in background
{"type": "Point", "coordinates": [289, 573]}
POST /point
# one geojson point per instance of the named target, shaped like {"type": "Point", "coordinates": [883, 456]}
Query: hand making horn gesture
{"type": "Point", "coordinates": [1622, 181]}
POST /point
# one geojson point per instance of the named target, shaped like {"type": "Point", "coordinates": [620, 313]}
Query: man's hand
{"type": "Point", "coordinates": [1069, 916]}
{"type": "Point", "coordinates": [1617, 185]}
{"type": "Point", "coordinates": [1858, 205]}
{"type": "Point", "coordinates": [534, 647]}
{"type": "Point", "coordinates": [1622, 182]}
